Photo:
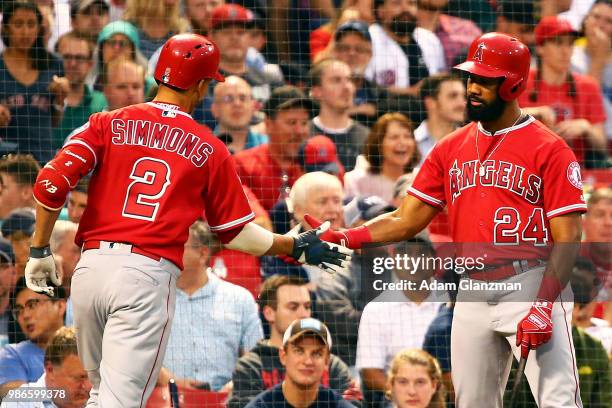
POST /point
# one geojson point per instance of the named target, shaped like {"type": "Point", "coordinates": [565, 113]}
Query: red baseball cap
{"type": "Point", "coordinates": [318, 153]}
{"type": "Point", "coordinates": [552, 27]}
{"type": "Point", "coordinates": [231, 14]}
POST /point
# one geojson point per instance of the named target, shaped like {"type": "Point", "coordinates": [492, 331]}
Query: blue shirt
{"type": "Point", "coordinates": [31, 109]}
{"type": "Point", "coordinates": [274, 398]}
{"type": "Point", "coordinates": [23, 361]}
{"type": "Point", "coordinates": [210, 329]}
{"type": "Point", "coordinates": [438, 338]}
{"type": "Point", "coordinates": [253, 139]}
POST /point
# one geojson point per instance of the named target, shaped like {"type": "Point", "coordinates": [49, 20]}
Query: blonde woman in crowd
{"type": "Point", "coordinates": [156, 20]}
{"type": "Point", "coordinates": [415, 381]}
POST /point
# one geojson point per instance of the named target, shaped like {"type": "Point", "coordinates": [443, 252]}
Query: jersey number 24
{"type": "Point", "coordinates": [508, 225]}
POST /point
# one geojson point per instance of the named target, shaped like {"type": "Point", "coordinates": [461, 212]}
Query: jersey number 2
{"type": "Point", "coordinates": [150, 178]}
{"type": "Point", "coordinates": [507, 224]}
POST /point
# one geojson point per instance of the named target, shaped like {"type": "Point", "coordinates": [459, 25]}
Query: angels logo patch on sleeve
{"type": "Point", "coordinates": [573, 175]}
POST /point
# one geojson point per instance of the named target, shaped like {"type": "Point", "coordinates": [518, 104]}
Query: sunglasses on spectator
{"type": "Point", "coordinates": [30, 305]}
{"type": "Point", "coordinates": [118, 43]}
{"type": "Point", "coordinates": [76, 57]}
{"type": "Point", "coordinates": [228, 99]}
{"type": "Point", "coordinates": [360, 49]}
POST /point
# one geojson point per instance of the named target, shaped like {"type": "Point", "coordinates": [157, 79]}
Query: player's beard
{"type": "Point", "coordinates": [403, 24]}
{"type": "Point", "coordinates": [486, 112]}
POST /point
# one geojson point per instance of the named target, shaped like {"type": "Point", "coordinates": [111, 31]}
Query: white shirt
{"type": "Point", "coordinates": [40, 383]}
{"type": "Point", "coordinates": [425, 141]}
{"type": "Point", "coordinates": [361, 183]}
{"type": "Point", "coordinates": [602, 331]}
{"type": "Point", "coordinates": [387, 327]}
{"type": "Point", "coordinates": [389, 63]}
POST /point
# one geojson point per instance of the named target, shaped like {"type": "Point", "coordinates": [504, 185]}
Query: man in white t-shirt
{"type": "Point", "coordinates": [403, 54]}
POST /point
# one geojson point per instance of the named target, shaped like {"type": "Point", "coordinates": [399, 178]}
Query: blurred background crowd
{"type": "Point", "coordinates": [329, 107]}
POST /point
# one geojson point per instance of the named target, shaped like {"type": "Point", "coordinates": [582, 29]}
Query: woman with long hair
{"type": "Point", "coordinates": [31, 90]}
{"type": "Point", "coordinates": [414, 380]}
{"type": "Point", "coordinates": [156, 20]}
{"type": "Point", "coordinates": [389, 152]}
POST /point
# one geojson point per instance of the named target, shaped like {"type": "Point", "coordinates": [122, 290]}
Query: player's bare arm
{"type": "Point", "coordinates": [567, 232]}
{"type": "Point", "coordinates": [306, 247]}
{"type": "Point", "coordinates": [536, 327]}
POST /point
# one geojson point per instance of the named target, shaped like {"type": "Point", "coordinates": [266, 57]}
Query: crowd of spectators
{"type": "Point", "coordinates": [329, 109]}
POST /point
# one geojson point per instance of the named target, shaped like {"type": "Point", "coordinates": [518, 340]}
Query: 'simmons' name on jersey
{"type": "Point", "coordinates": [498, 174]}
{"type": "Point", "coordinates": [162, 137]}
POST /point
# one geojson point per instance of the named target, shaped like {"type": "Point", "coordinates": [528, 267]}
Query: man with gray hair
{"type": "Point", "coordinates": [203, 353]}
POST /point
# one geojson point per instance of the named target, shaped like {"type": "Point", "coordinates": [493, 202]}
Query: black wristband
{"type": "Point", "coordinates": [38, 252]}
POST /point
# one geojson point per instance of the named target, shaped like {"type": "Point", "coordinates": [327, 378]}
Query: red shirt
{"type": "Point", "coordinates": [586, 104]}
{"type": "Point", "coordinates": [530, 176]}
{"type": "Point", "coordinates": [156, 171]}
{"type": "Point", "coordinates": [262, 174]}
{"type": "Point", "coordinates": [319, 40]}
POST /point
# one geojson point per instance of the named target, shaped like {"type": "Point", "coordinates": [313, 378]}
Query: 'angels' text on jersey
{"type": "Point", "coordinates": [498, 174]}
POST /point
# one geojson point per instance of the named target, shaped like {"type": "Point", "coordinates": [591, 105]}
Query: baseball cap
{"type": "Point", "coordinates": [120, 27]}
{"type": "Point", "coordinates": [301, 327]}
{"type": "Point", "coordinates": [78, 6]}
{"type": "Point", "coordinates": [287, 97]}
{"type": "Point", "coordinates": [318, 153]}
{"type": "Point", "coordinates": [231, 14]}
{"type": "Point", "coordinates": [6, 252]}
{"type": "Point", "coordinates": [353, 26]}
{"type": "Point", "coordinates": [552, 27]}
{"type": "Point", "coordinates": [517, 11]}
{"type": "Point", "coordinates": [365, 208]}
{"type": "Point", "coordinates": [19, 220]}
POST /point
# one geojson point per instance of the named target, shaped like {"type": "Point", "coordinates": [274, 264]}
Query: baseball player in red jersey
{"type": "Point", "coordinates": [154, 171]}
{"type": "Point", "coordinates": [506, 180]}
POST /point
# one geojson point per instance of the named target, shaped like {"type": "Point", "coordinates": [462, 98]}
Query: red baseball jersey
{"type": "Point", "coordinates": [525, 176]}
{"type": "Point", "coordinates": [586, 104]}
{"type": "Point", "coordinates": [156, 171]}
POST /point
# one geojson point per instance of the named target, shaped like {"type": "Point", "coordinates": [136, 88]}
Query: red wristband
{"type": "Point", "coordinates": [358, 236]}
{"type": "Point", "coordinates": [550, 288]}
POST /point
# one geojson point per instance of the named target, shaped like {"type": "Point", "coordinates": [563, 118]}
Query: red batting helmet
{"type": "Point", "coordinates": [496, 55]}
{"type": "Point", "coordinates": [185, 59]}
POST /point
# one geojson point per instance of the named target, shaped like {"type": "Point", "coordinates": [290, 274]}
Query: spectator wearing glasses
{"type": "Point", "coordinates": [62, 371]}
{"type": "Point", "coordinates": [39, 317]}
{"type": "Point", "coordinates": [118, 39]}
{"type": "Point", "coordinates": [81, 101]}
{"type": "Point", "coordinates": [233, 108]}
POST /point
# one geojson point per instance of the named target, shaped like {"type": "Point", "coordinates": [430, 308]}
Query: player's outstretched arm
{"type": "Point", "coordinates": [404, 223]}
{"type": "Point", "coordinates": [307, 247]}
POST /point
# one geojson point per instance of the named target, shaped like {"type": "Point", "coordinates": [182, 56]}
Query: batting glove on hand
{"type": "Point", "coordinates": [536, 328]}
{"type": "Point", "coordinates": [40, 273]}
{"type": "Point", "coordinates": [308, 248]}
